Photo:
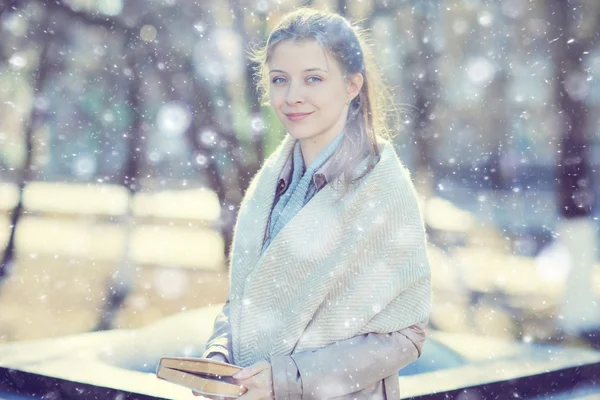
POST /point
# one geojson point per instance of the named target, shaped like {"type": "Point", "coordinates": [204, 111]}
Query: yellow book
{"type": "Point", "coordinates": [203, 375]}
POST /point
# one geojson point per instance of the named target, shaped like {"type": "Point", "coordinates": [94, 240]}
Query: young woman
{"type": "Point", "coordinates": [329, 277]}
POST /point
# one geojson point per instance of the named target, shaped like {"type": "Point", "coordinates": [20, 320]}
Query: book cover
{"type": "Point", "coordinates": [202, 375]}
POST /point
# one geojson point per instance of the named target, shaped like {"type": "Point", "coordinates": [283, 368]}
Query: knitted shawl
{"type": "Point", "coordinates": [301, 188]}
{"type": "Point", "coordinates": [334, 271]}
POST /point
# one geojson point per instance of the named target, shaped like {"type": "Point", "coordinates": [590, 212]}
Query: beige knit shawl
{"type": "Point", "coordinates": [334, 271]}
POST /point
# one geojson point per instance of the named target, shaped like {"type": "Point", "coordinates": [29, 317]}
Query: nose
{"type": "Point", "coordinates": [294, 94]}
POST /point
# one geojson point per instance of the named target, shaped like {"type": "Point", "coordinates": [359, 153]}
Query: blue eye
{"type": "Point", "coordinates": [280, 79]}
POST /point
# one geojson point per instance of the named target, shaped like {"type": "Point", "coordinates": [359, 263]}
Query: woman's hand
{"type": "Point", "coordinates": [258, 379]}
{"type": "Point", "coordinates": [217, 357]}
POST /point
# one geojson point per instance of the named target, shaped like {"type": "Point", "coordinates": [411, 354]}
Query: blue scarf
{"type": "Point", "coordinates": [301, 189]}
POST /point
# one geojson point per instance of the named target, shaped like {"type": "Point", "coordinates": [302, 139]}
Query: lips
{"type": "Point", "coordinates": [297, 116]}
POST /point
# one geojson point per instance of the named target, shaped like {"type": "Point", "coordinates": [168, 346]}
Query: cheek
{"type": "Point", "coordinates": [329, 99]}
{"type": "Point", "coordinates": [329, 104]}
{"type": "Point", "coordinates": [276, 99]}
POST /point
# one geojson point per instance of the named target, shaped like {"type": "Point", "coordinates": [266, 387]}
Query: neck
{"type": "Point", "coordinates": [312, 146]}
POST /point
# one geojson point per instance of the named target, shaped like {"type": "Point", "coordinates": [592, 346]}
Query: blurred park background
{"type": "Point", "coordinates": [129, 131]}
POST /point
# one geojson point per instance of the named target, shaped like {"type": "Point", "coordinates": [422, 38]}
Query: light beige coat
{"type": "Point", "coordinates": [366, 364]}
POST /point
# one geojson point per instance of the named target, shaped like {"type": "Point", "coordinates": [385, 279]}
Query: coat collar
{"type": "Point", "coordinates": [319, 178]}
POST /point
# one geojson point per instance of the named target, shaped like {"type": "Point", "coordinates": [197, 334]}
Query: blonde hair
{"type": "Point", "coordinates": [347, 44]}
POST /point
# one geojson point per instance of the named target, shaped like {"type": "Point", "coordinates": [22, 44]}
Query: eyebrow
{"type": "Point", "coordinates": [306, 70]}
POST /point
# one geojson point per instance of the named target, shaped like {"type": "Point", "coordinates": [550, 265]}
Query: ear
{"type": "Point", "coordinates": [354, 85]}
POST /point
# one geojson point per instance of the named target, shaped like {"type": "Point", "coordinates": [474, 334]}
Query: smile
{"type": "Point", "coordinates": [297, 116]}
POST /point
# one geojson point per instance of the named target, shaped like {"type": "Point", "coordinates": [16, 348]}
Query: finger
{"type": "Point", "coordinates": [208, 396]}
{"type": "Point", "coordinates": [249, 395]}
{"type": "Point", "coordinates": [258, 381]}
{"type": "Point", "coordinates": [251, 370]}
{"type": "Point", "coordinates": [246, 373]}
{"type": "Point", "coordinates": [242, 391]}
{"type": "Point", "coordinates": [244, 384]}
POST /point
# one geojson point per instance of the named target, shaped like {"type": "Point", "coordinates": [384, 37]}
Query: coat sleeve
{"type": "Point", "coordinates": [346, 366]}
{"type": "Point", "coordinates": [220, 340]}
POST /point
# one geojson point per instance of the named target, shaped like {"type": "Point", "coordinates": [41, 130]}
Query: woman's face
{"type": "Point", "coordinates": [307, 90]}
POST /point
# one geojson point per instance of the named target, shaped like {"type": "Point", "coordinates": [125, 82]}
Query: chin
{"type": "Point", "coordinates": [299, 133]}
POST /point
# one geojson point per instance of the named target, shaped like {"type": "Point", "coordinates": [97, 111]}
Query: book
{"type": "Point", "coordinates": [203, 375]}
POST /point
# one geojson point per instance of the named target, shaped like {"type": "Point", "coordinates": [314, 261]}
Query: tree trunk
{"type": "Point", "coordinates": [342, 8]}
{"type": "Point", "coordinates": [251, 91]}
{"type": "Point", "coordinates": [44, 70]}
{"type": "Point", "coordinates": [576, 197]}
{"type": "Point", "coordinates": [258, 136]}
{"type": "Point", "coordinates": [119, 284]}
{"type": "Point", "coordinates": [427, 92]}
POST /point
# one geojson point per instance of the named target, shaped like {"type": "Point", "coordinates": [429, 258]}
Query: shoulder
{"type": "Point", "coordinates": [283, 149]}
{"type": "Point", "coordinates": [387, 185]}
{"type": "Point", "coordinates": [388, 188]}
{"type": "Point", "coordinates": [391, 173]}
{"type": "Point", "coordinates": [269, 163]}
